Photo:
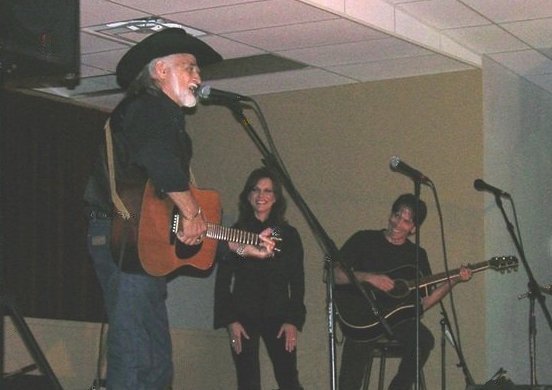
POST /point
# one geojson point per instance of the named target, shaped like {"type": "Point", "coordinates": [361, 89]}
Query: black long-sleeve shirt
{"type": "Point", "coordinates": [256, 290]}
{"type": "Point", "coordinates": [369, 251]}
{"type": "Point", "coordinates": [149, 142]}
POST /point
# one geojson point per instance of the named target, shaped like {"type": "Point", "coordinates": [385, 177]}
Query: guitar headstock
{"type": "Point", "coordinates": [504, 263]}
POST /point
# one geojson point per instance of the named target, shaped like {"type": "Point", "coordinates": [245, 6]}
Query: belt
{"type": "Point", "coordinates": [98, 214]}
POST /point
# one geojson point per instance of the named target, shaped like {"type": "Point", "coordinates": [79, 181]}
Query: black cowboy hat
{"type": "Point", "coordinates": [161, 44]}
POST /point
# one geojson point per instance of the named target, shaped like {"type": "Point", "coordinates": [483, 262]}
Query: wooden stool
{"type": "Point", "coordinates": [385, 349]}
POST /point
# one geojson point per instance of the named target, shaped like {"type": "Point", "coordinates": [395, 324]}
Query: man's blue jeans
{"type": "Point", "coordinates": [139, 351]}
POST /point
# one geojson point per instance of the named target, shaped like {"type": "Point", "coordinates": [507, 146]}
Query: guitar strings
{"type": "Point", "coordinates": [220, 232]}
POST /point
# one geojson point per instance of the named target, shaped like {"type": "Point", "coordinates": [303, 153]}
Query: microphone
{"type": "Point", "coordinates": [480, 185]}
{"type": "Point", "coordinates": [397, 165]}
{"type": "Point", "coordinates": [205, 92]}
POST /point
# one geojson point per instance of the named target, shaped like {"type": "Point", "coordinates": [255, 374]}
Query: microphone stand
{"type": "Point", "coordinates": [445, 326]}
{"type": "Point", "coordinates": [534, 293]}
{"type": "Point", "coordinates": [417, 190]}
{"type": "Point", "coordinates": [272, 161]}
{"type": "Point", "coordinates": [443, 352]}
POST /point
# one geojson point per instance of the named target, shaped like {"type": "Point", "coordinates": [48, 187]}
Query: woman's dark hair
{"type": "Point", "coordinates": [277, 213]}
{"type": "Point", "coordinates": [409, 200]}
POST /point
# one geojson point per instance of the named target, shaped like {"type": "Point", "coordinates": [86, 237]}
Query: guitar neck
{"type": "Point", "coordinates": [454, 274]}
{"type": "Point", "coordinates": [219, 232]}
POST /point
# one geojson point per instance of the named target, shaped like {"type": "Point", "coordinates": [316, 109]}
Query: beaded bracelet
{"type": "Point", "coordinates": [240, 251]}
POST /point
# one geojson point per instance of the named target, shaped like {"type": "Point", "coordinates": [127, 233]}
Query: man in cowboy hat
{"type": "Point", "coordinates": [160, 75]}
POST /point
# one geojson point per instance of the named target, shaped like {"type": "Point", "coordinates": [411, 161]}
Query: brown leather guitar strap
{"type": "Point", "coordinates": [117, 202]}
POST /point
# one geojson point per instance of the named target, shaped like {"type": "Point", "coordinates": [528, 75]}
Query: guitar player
{"type": "Point", "coordinates": [160, 75]}
{"type": "Point", "coordinates": [371, 254]}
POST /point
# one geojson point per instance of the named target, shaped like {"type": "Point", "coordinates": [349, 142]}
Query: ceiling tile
{"type": "Point", "coordinates": [335, 5]}
{"type": "Point", "coordinates": [377, 13]}
{"type": "Point", "coordinates": [401, 67]}
{"type": "Point", "coordinates": [397, 2]}
{"type": "Point", "coordinates": [358, 52]}
{"type": "Point", "coordinates": [94, 12]}
{"type": "Point", "coordinates": [90, 43]}
{"type": "Point", "coordinates": [283, 81]}
{"type": "Point", "coordinates": [512, 10]}
{"type": "Point", "coordinates": [486, 39]}
{"type": "Point", "coordinates": [537, 33]}
{"type": "Point", "coordinates": [90, 71]}
{"type": "Point", "coordinates": [171, 6]}
{"type": "Point", "coordinates": [230, 49]}
{"type": "Point", "coordinates": [103, 60]}
{"type": "Point", "coordinates": [443, 14]}
{"type": "Point", "coordinates": [303, 35]}
{"type": "Point", "coordinates": [250, 16]}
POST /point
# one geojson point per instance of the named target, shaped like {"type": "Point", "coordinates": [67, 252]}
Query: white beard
{"type": "Point", "coordinates": [188, 100]}
{"type": "Point", "coordinates": [182, 96]}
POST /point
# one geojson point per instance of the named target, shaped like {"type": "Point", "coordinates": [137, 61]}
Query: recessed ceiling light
{"type": "Point", "coordinates": [134, 30]}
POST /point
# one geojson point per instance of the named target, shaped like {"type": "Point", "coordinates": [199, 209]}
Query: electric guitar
{"type": "Point", "coordinates": [357, 320]}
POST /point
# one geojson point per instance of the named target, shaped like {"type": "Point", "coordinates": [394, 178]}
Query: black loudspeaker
{"type": "Point", "coordinates": [40, 43]}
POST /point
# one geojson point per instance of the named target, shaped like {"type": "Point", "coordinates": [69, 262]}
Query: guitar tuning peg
{"type": "Point", "coordinates": [277, 250]}
{"type": "Point", "coordinates": [276, 238]}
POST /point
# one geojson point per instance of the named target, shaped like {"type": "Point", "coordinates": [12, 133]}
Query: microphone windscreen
{"type": "Point", "coordinates": [479, 184]}
{"type": "Point", "coordinates": [204, 91]}
{"type": "Point", "coordinates": [395, 161]}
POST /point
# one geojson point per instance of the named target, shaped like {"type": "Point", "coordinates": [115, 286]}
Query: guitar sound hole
{"type": "Point", "coordinates": [400, 290]}
{"type": "Point", "coordinates": [184, 251]}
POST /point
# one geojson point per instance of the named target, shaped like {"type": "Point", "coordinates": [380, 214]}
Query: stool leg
{"type": "Point", "coordinates": [367, 374]}
{"type": "Point", "coordinates": [422, 380]}
{"type": "Point", "coordinates": [382, 369]}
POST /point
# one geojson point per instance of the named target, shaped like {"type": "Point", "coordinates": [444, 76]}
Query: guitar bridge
{"type": "Point", "coordinates": [173, 227]}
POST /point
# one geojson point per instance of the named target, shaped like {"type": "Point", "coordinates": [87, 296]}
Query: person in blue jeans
{"type": "Point", "coordinates": [150, 144]}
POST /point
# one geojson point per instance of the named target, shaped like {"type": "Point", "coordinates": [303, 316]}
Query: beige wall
{"type": "Point", "coordinates": [337, 143]}
{"type": "Point", "coordinates": [518, 140]}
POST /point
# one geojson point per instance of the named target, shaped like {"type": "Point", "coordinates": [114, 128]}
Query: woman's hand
{"type": "Point", "coordinates": [290, 333]}
{"type": "Point", "coordinates": [236, 332]}
{"type": "Point", "coordinates": [268, 241]}
{"type": "Point", "coordinates": [264, 250]}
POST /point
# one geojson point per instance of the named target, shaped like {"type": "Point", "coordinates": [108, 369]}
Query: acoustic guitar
{"type": "Point", "coordinates": [150, 234]}
{"type": "Point", "coordinates": [359, 322]}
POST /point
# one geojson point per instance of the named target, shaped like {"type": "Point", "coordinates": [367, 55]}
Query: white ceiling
{"type": "Point", "coordinates": [339, 41]}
